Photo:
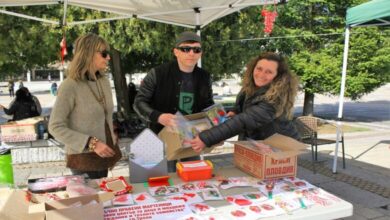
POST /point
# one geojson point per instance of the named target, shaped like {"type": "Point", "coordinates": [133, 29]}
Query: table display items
{"type": "Point", "coordinates": [216, 114]}
{"type": "Point", "coordinates": [117, 185]}
{"type": "Point", "coordinates": [188, 129]}
{"type": "Point", "coordinates": [53, 184]}
{"type": "Point", "coordinates": [192, 199]}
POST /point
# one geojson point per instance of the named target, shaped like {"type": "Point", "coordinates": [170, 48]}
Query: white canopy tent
{"type": "Point", "coordinates": [186, 13]}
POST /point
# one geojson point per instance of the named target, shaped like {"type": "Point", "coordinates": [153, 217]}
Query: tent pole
{"type": "Point", "coordinates": [197, 28]}
{"type": "Point", "coordinates": [65, 11]}
{"type": "Point", "coordinates": [341, 98]}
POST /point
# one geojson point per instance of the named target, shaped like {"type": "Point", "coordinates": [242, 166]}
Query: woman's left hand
{"type": "Point", "coordinates": [197, 144]}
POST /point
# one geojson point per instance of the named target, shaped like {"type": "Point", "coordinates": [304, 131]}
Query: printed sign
{"type": "Point", "coordinates": [174, 209]}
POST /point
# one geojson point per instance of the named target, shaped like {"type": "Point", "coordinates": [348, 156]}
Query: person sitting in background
{"type": "Point", "coordinates": [34, 98]}
{"type": "Point", "coordinates": [264, 105]}
{"type": "Point", "coordinates": [23, 107]}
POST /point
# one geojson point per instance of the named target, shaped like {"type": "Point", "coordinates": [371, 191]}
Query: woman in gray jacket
{"type": "Point", "coordinates": [82, 114]}
{"type": "Point", "coordinates": [264, 105]}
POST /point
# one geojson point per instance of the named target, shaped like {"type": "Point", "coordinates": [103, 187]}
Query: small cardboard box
{"type": "Point", "coordinates": [282, 163]}
{"type": "Point", "coordinates": [194, 170]}
{"type": "Point", "coordinates": [173, 141]}
{"type": "Point", "coordinates": [18, 131]}
{"type": "Point", "coordinates": [77, 208]}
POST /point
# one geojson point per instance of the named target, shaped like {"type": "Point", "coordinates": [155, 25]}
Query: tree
{"type": "Point", "coordinates": [317, 59]}
{"type": "Point", "coordinates": [29, 43]}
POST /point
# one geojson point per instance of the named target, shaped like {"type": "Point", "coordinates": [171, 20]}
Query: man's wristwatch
{"type": "Point", "coordinates": [92, 144]}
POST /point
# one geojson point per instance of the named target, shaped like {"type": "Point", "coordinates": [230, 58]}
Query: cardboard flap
{"type": "Point", "coordinates": [106, 196]}
{"type": "Point", "coordinates": [36, 208]}
{"type": "Point", "coordinates": [170, 139]}
{"type": "Point", "coordinates": [188, 152]}
{"type": "Point", "coordinates": [89, 211]}
{"type": "Point", "coordinates": [65, 203]}
{"type": "Point", "coordinates": [173, 143]}
{"type": "Point", "coordinates": [284, 154]}
{"type": "Point", "coordinates": [14, 206]}
{"type": "Point", "coordinates": [196, 116]}
{"type": "Point", "coordinates": [284, 142]}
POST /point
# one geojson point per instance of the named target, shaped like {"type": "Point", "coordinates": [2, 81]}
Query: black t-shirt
{"type": "Point", "coordinates": [186, 99]}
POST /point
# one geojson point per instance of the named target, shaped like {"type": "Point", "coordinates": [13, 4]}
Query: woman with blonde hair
{"type": "Point", "coordinates": [264, 105]}
{"type": "Point", "coordinates": [82, 114]}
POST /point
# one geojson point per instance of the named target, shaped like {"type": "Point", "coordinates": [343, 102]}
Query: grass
{"type": "Point", "coordinates": [329, 129]}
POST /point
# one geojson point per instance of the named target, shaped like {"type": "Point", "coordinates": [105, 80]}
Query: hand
{"type": "Point", "coordinates": [197, 144]}
{"type": "Point", "coordinates": [103, 150]}
{"type": "Point", "coordinates": [1, 106]}
{"type": "Point", "coordinates": [167, 119]}
{"type": "Point", "coordinates": [230, 114]}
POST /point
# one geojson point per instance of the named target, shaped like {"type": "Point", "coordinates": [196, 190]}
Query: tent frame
{"type": "Point", "coordinates": [380, 20]}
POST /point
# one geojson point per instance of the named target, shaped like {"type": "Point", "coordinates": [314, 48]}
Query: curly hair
{"type": "Point", "coordinates": [283, 89]}
{"type": "Point", "coordinates": [84, 49]}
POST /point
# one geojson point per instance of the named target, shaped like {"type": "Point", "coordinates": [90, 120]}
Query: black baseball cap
{"type": "Point", "coordinates": [187, 36]}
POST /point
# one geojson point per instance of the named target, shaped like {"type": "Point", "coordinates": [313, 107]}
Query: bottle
{"type": "Point", "coordinates": [41, 130]}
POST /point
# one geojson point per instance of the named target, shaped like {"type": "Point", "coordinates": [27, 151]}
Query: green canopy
{"type": "Point", "coordinates": [375, 12]}
{"type": "Point", "coordinates": [372, 13]}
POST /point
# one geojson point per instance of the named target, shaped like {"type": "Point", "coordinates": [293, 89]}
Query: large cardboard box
{"type": "Point", "coordinates": [282, 163]}
{"type": "Point", "coordinates": [19, 131]}
{"type": "Point", "coordinates": [173, 141]}
{"type": "Point", "coordinates": [14, 206]}
{"type": "Point", "coordinates": [77, 208]}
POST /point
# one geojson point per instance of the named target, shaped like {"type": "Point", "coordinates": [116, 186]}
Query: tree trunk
{"type": "Point", "coordinates": [308, 104]}
{"type": "Point", "coordinates": [120, 85]}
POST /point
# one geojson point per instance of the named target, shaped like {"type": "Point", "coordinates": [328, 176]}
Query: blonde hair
{"type": "Point", "coordinates": [283, 89]}
{"type": "Point", "coordinates": [85, 48]}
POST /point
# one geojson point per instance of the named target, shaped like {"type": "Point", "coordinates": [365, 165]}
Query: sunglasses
{"type": "Point", "coordinates": [188, 49]}
{"type": "Point", "coordinates": [104, 53]}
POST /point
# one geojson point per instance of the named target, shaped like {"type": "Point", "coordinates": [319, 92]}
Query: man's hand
{"type": "Point", "coordinates": [167, 119]}
{"type": "Point", "coordinates": [1, 107]}
{"type": "Point", "coordinates": [197, 144]}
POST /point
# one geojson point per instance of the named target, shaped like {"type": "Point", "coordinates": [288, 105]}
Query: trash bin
{"type": "Point", "coordinates": [6, 172]}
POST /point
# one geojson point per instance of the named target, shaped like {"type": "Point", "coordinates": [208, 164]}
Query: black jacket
{"type": "Point", "coordinates": [254, 119]}
{"type": "Point", "coordinates": [160, 89]}
{"type": "Point", "coordinates": [22, 110]}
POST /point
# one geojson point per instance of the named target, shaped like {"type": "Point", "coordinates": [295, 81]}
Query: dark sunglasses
{"type": "Point", "coordinates": [188, 49]}
{"type": "Point", "coordinates": [104, 53]}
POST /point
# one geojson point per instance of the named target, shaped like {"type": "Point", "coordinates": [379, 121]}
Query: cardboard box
{"type": "Point", "coordinates": [194, 170]}
{"type": "Point", "coordinates": [19, 131]}
{"type": "Point", "coordinates": [14, 206]}
{"type": "Point", "coordinates": [282, 163]}
{"type": "Point", "coordinates": [173, 141]}
{"type": "Point", "coordinates": [77, 208]}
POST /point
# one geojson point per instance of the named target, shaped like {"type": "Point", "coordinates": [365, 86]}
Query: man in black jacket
{"type": "Point", "coordinates": [179, 85]}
